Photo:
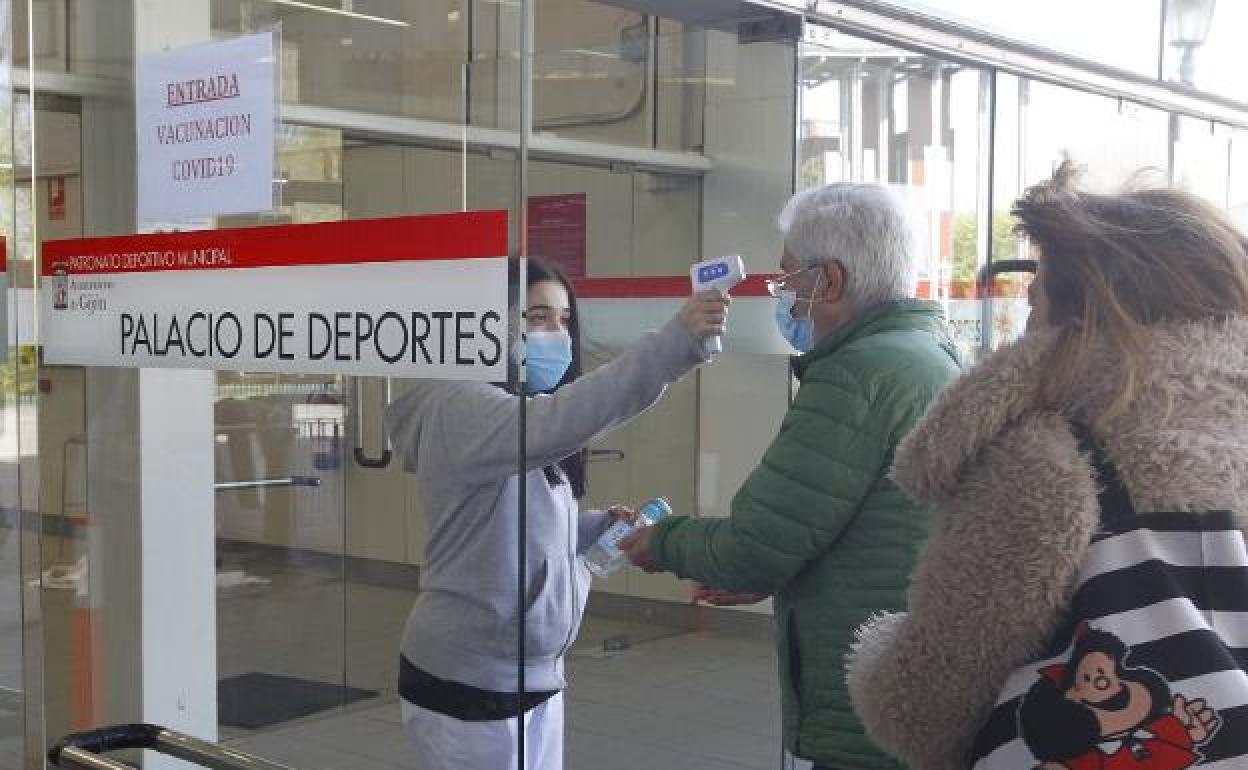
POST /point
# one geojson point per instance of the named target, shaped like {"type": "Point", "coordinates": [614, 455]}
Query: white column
{"type": "Point", "coordinates": [150, 448]}
{"type": "Point", "coordinates": [177, 505]}
{"type": "Point", "coordinates": [178, 546]}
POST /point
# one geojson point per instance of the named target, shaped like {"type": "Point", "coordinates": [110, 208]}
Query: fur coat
{"type": "Point", "coordinates": [1016, 509]}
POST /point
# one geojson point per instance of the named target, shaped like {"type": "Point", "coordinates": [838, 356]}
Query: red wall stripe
{"type": "Point", "coordinates": [655, 287]}
{"type": "Point", "coordinates": [469, 235]}
{"type": "Point", "coordinates": [677, 286]}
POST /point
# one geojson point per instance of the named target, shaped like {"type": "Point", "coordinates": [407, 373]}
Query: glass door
{"type": "Point", "coordinates": [237, 509]}
{"type": "Point", "coordinates": [279, 452]}
{"type": "Point", "coordinates": [16, 392]}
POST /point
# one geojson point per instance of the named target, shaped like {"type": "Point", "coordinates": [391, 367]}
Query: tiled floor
{"type": "Point", "coordinates": [687, 702]}
{"type": "Point", "coordinates": [674, 699]}
{"type": "Point", "coordinates": [11, 718]}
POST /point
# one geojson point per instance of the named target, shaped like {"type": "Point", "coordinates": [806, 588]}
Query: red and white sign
{"type": "Point", "coordinates": [206, 129]}
{"type": "Point", "coordinates": [404, 297]}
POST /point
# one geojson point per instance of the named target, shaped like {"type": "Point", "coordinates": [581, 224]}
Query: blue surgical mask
{"type": "Point", "coordinates": [547, 358]}
{"type": "Point", "coordinates": [798, 332]}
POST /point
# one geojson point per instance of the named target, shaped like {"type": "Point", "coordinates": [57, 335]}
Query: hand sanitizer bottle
{"type": "Point", "coordinates": [605, 557]}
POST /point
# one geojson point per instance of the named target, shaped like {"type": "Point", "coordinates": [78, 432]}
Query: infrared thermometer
{"type": "Point", "coordinates": [721, 273]}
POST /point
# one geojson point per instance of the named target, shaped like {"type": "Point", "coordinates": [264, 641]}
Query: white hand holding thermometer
{"type": "Point", "coordinates": [720, 273]}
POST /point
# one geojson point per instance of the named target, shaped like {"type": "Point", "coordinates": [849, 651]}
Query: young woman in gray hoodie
{"type": "Point", "coordinates": [458, 677]}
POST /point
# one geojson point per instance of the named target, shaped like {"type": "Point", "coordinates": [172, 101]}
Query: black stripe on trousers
{"type": "Point", "coordinates": [1231, 739]}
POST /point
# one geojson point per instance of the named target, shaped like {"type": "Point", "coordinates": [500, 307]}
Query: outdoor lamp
{"type": "Point", "coordinates": [1188, 24]}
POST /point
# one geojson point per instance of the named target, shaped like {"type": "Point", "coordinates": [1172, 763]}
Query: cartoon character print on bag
{"type": "Point", "coordinates": [1095, 712]}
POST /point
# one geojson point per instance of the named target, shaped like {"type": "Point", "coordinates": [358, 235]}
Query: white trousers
{"type": "Point", "coordinates": [447, 743]}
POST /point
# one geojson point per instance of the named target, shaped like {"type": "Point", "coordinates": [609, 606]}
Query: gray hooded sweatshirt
{"type": "Point", "coordinates": [460, 440]}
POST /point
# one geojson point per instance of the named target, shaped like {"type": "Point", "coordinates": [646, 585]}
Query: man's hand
{"type": "Point", "coordinates": [726, 598]}
{"type": "Point", "coordinates": [638, 547]}
{"type": "Point", "coordinates": [622, 513]}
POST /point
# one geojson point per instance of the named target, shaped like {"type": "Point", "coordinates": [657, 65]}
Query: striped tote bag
{"type": "Point", "coordinates": [1149, 669]}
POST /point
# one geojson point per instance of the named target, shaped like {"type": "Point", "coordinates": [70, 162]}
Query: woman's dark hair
{"type": "Point", "coordinates": [572, 467]}
{"type": "Point", "coordinates": [1093, 641]}
{"type": "Point", "coordinates": [1055, 729]}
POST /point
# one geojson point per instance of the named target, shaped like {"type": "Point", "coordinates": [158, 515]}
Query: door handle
{"type": "Point", "coordinates": [361, 455]}
{"type": "Point", "coordinates": [606, 455]}
{"type": "Point", "coordinates": [289, 481]}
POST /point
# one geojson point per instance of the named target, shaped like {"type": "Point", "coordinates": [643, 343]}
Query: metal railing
{"type": "Point", "coordinates": [84, 751]}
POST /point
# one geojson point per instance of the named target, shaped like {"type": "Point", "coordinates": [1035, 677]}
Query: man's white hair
{"type": "Point", "coordinates": [865, 227]}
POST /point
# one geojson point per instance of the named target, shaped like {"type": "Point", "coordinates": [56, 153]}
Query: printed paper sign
{"type": "Point", "coordinates": [557, 230]}
{"type": "Point", "coordinates": [206, 129]}
{"type": "Point", "coordinates": [406, 297]}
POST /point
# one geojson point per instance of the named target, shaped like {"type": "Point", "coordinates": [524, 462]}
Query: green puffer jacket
{"type": "Point", "coordinates": [820, 525]}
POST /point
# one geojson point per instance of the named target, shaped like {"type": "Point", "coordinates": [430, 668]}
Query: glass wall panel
{"type": "Point", "coordinates": [1238, 186]}
{"type": "Point", "coordinates": [660, 676]}
{"type": "Point", "coordinates": [18, 536]}
{"type": "Point", "coordinates": [654, 678]}
{"type": "Point", "coordinates": [636, 80]}
{"type": "Point", "coordinates": [47, 22]}
{"type": "Point", "coordinates": [63, 499]}
{"type": "Point", "coordinates": [309, 561]}
{"type": "Point", "coordinates": [875, 114]}
{"type": "Point", "coordinates": [1006, 301]}
{"type": "Point", "coordinates": [594, 73]}
{"type": "Point", "coordinates": [601, 73]}
{"type": "Point", "coordinates": [657, 143]}
{"type": "Point", "coordinates": [345, 557]}
{"type": "Point", "coordinates": [1112, 138]}
{"type": "Point", "coordinates": [396, 57]}
{"type": "Point", "coordinates": [1202, 156]}
{"type": "Point", "coordinates": [1038, 125]}
{"type": "Point", "coordinates": [1069, 26]}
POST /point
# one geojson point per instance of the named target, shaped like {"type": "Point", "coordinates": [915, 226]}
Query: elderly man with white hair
{"type": "Point", "coordinates": [819, 524]}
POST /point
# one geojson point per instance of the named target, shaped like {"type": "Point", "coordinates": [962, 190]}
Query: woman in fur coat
{"type": "Point", "coordinates": [1138, 331]}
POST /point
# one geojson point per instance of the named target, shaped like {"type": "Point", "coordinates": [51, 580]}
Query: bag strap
{"type": "Point", "coordinates": [1114, 499]}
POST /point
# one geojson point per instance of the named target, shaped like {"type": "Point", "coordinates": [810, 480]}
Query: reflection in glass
{"type": "Point", "coordinates": [636, 81]}
{"type": "Point", "coordinates": [1202, 155]}
{"type": "Point", "coordinates": [280, 448]}
{"type": "Point", "coordinates": [17, 386]}
{"type": "Point", "coordinates": [1112, 138]}
{"type": "Point", "coordinates": [1205, 45]}
{"type": "Point", "coordinates": [1237, 187]}
{"type": "Point", "coordinates": [1070, 26]}
{"type": "Point", "coordinates": [870, 113]}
